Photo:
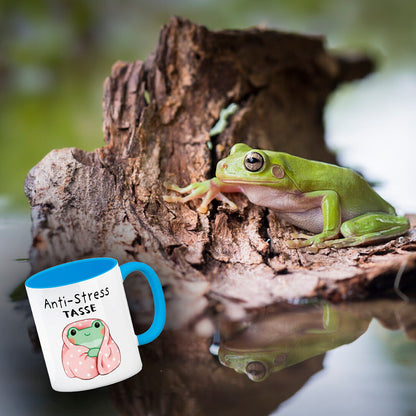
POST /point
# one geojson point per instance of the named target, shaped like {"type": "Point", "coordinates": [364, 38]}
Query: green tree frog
{"type": "Point", "coordinates": [91, 337]}
{"type": "Point", "coordinates": [324, 199]}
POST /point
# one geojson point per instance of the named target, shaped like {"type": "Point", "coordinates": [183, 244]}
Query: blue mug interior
{"type": "Point", "coordinates": [69, 273]}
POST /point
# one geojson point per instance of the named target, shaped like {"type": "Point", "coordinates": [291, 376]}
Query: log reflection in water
{"type": "Point", "coordinates": [181, 377]}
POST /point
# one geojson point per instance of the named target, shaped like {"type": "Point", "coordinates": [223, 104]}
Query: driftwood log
{"type": "Point", "coordinates": [157, 118]}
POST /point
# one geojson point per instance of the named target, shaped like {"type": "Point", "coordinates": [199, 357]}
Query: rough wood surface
{"type": "Point", "coordinates": [157, 118]}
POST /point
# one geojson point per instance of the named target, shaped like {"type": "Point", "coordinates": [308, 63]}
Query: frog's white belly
{"type": "Point", "coordinates": [295, 208]}
{"type": "Point", "coordinates": [311, 220]}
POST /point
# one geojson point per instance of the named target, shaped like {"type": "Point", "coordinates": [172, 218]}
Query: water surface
{"type": "Point", "coordinates": [343, 359]}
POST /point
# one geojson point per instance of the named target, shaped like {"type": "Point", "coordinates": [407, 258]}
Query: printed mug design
{"type": "Point", "coordinates": [88, 349]}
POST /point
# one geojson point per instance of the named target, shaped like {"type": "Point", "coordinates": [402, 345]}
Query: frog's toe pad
{"type": "Point", "coordinates": [171, 186]}
{"type": "Point", "coordinates": [202, 209]}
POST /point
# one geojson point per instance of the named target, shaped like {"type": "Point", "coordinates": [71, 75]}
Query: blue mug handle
{"type": "Point", "coordinates": [158, 299]}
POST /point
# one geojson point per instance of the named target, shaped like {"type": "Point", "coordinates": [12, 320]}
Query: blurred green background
{"type": "Point", "coordinates": [55, 55]}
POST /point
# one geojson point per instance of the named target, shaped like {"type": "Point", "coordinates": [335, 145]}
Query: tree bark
{"type": "Point", "coordinates": [157, 118]}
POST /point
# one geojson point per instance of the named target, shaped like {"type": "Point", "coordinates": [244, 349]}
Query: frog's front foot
{"type": "Point", "coordinates": [93, 352]}
{"type": "Point", "coordinates": [207, 190]}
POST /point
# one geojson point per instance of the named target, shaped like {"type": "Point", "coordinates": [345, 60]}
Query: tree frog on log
{"type": "Point", "coordinates": [324, 199]}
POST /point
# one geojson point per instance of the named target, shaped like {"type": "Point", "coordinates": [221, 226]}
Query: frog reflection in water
{"type": "Point", "coordinates": [91, 337]}
{"type": "Point", "coordinates": [276, 342]}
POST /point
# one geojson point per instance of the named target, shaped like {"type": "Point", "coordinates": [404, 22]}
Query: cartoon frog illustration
{"type": "Point", "coordinates": [90, 337]}
{"type": "Point", "coordinates": [88, 349]}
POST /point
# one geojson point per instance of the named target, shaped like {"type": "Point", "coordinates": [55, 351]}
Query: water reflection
{"type": "Point", "coordinates": [284, 349]}
{"type": "Point", "coordinates": [281, 350]}
{"type": "Point", "coordinates": [281, 340]}
{"type": "Point", "coordinates": [182, 378]}
{"type": "Point", "coordinates": [261, 362]}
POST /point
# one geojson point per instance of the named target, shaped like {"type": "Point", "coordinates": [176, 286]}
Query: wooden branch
{"type": "Point", "coordinates": [157, 119]}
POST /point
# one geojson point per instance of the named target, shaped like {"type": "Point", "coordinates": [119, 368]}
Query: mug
{"type": "Point", "coordinates": [84, 325]}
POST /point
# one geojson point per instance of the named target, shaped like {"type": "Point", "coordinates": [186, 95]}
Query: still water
{"type": "Point", "coordinates": [317, 359]}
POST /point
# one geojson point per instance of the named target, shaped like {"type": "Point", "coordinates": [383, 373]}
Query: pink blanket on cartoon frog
{"type": "Point", "coordinates": [76, 361]}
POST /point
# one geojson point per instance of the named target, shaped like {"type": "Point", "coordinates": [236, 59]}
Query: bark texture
{"type": "Point", "coordinates": [157, 118]}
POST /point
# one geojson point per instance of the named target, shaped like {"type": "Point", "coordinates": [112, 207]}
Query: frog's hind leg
{"type": "Point", "coordinates": [368, 229]}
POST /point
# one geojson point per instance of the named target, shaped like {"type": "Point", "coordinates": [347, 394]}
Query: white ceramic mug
{"type": "Point", "coordinates": [84, 325]}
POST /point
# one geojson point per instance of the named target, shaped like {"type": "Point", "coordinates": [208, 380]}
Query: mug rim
{"type": "Point", "coordinates": [76, 271]}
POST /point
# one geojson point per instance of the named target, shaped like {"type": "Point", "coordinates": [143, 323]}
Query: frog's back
{"type": "Point", "coordinates": [356, 195]}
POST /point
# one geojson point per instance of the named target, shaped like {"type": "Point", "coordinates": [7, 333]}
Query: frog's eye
{"type": "Point", "coordinates": [256, 371]}
{"type": "Point", "coordinates": [97, 324]}
{"type": "Point", "coordinates": [253, 161]}
{"type": "Point", "coordinates": [72, 331]}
